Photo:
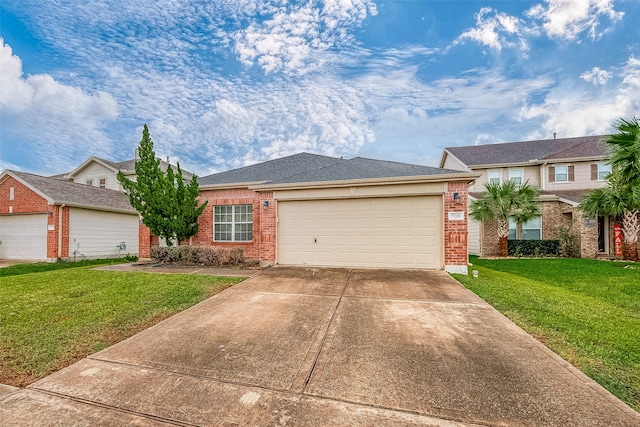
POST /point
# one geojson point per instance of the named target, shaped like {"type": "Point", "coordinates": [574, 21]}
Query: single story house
{"type": "Point", "coordinates": [313, 210]}
{"type": "Point", "coordinates": [43, 218]}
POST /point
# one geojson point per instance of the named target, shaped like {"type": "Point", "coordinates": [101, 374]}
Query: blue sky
{"type": "Point", "coordinates": [228, 83]}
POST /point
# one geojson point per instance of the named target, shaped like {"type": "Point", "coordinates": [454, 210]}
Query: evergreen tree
{"type": "Point", "coordinates": [166, 206]}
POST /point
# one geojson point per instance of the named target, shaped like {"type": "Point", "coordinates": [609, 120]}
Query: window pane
{"type": "Point", "coordinates": [603, 171]}
{"type": "Point", "coordinates": [531, 229]}
{"type": "Point", "coordinates": [562, 173]}
{"type": "Point", "coordinates": [222, 232]}
{"type": "Point", "coordinates": [494, 177]}
{"type": "Point", "coordinates": [531, 234]}
{"type": "Point", "coordinates": [243, 232]}
{"type": "Point", "coordinates": [512, 229]}
{"type": "Point", "coordinates": [515, 175]}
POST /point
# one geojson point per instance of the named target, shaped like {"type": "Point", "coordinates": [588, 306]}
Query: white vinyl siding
{"type": "Point", "coordinates": [94, 172]}
{"type": "Point", "coordinates": [23, 237]}
{"type": "Point", "coordinates": [98, 234]}
{"type": "Point", "coordinates": [233, 223]}
{"type": "Point", "coordinates": [393, 232]}
{"type": "Point", "coordinates": [474, 236]}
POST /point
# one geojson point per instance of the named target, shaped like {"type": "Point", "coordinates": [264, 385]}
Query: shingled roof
{"type": "Point", "coordinates": [313, 168]}
{"type": "Point", "coordinates": [127, 167]}
{"type": "Point", "coordinates": [529, 152]}
{"type": "Point", "coordinates": [72, 194]}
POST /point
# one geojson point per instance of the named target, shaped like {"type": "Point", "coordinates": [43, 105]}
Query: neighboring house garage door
{"type": "Point", "coordinates": [400, 232]}
{"type": "Point", "coordinates": [98, 234]}
{"type": "Point", "coordinates": [23, 237]}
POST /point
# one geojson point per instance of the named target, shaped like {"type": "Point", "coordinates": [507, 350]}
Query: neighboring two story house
{"type": "Point", "coordinates": [563, 169]}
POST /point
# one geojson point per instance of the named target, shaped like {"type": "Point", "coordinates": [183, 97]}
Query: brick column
{"type": "Point", "coordinates": [144, 241]}
{"type": "Point", "coordinates": [267, 229]}
{"type": "Point", "coordinates": [455, 229]}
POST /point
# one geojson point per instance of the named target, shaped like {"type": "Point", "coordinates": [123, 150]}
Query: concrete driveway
{"type": "Point", "coordinates": [313, 347]}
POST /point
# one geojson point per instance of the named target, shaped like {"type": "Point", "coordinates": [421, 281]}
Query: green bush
{"type": "Point", "coordinates": [194, 255]}
{"type": "Point", "coordinates": [569, 246]}
{"type": "Point", "coordinates": [534, 248]}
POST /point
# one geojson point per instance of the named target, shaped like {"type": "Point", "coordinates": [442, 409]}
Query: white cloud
{"type": "Point", "coordinates": [294, 32]}
{"type": "Point", "coordinates": [55, 121]}
{"type": "Point", "coordinates": [596, 76]}
{"type": "Point", "coordinates": [495, 30]}
{"type": "Point", "coordinates": [566, 19]}
{"type": "Point", "coordinates": [572, 113]}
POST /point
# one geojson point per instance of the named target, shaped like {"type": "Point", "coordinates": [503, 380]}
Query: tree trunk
{"type": "Point", "coordinates": [630, 230]}
{"type": "Point", "coordinates": [630, 251]}
{"type": "Point", "coordinates": [503, 247]}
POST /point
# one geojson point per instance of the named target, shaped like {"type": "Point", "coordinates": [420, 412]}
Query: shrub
{"type": "Point", "coordinates": [569, 246]}
{"type": "Point", "coordinates": [193, 255]}
{"type": "Point", "coordinates": [534, 248]}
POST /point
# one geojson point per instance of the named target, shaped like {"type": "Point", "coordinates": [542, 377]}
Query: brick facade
{"type": "Point", "coordinates": [27, 201]}
{"type": "Point", "coordinates": [455, 231]}
{"type": "Point", "coordinates": [555, 214]}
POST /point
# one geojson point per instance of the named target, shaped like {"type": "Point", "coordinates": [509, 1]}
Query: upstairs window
{"type": "Point", "coordinates": [233, 223]}
{"type": "Point", "coordinates": [89, 182]}
{"type": "Point", "coordinates": [103, 182]}
{"type": "Point", "coordinates": [561, 173]}
{"type": "Point", "coordinates": [515, 175]}
{"type": "Point", "coordinates": [600, 171]}
{"type": "Point", "coordinates": [494, 177]}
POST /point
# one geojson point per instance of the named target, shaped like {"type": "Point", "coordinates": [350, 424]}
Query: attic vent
{"type": "Point", "coordinates": [554, 135]}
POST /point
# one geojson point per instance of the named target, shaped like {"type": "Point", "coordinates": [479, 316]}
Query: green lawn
{"type": "Point", "coordinates": [587, 311]}
{"type": "Point", "coordinates": [50, 319]}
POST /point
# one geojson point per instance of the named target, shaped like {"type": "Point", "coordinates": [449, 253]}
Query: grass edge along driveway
{"type": "Point", "coordinates": [587, 311]}
{"type": "Point", "coordinates": [51, 319]}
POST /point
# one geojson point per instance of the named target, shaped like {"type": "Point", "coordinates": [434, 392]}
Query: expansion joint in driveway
{"type": "Point", "coordinates": [326, 332]}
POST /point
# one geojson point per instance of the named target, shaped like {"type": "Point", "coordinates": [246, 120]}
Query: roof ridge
{"type": "Point", "coordinates": [338, 160]}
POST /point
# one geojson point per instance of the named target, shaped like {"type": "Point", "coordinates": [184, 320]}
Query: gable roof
{"type": "Point", "coordinates": [309, 169]}
{"type": "Point", "coordinates": [73, 194]}
{"type": "Point", "coordinates": [528, 152]}
{"type": "Point", "coordinates": [128, 167]}
{"type": "Point", "coordinates": [271, 170]}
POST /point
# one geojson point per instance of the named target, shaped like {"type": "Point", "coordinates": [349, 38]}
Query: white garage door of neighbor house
{"type": "Point", "coordinates": [23, 237]}
{"type": "Point", "coordinates": [394, 232]}
{"type": "Point", "coordinates": [98, 234]}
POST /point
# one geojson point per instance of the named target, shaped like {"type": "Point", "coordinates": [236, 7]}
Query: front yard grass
{"type": "Point", "coordinates": [50, 319]}
{"type": "Point", "coordinates": [587, 311]}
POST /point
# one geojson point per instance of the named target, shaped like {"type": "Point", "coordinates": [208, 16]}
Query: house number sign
{"type": "Point", "coordinates": [456, 216]}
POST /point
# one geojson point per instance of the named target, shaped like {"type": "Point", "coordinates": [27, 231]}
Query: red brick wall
{"type": "Point", "coordinates": [455, 232]}
{"type": "Point", "coordinates": [262, 246]}
{"type": "Point", "coordinates": [25, 200]}
{"type": "Point", "coordinates": [144, 241]}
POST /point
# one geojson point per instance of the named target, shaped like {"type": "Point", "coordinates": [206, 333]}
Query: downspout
{"type": "Point", "coordinates": [60, 230]}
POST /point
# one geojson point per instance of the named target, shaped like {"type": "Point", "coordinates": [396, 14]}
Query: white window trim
{"type": "Point", "coordinates": [521, 174]}
{"type": "Point", "coordinates": [233, 223]}
{"type": "Point", "coordinates": [499, 171]}
{"type": "Point", "coordinates": [607, 169]}
{"type": "Point", "coordinates": [556, 174]}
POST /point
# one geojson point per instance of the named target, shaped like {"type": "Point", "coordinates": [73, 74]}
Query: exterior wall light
{"type": "Point", "coordinates": [265, 204]}
{"type": "Point", "coordinates": [456, 198]}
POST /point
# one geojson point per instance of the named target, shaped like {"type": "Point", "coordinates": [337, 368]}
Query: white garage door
{"type": "Point", "coordinates": [23, 237]}
{"type": "Point", "coordinates": [400, 232]}
{"type": "Point", "coordinates": [97, 234]}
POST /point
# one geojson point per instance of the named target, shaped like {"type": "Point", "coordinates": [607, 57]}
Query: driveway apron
{"type": "Point", "coordinates": [311, 346]}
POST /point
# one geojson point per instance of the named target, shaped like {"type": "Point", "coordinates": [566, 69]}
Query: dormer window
{"type": "Point", "coordinates": [89, 182]}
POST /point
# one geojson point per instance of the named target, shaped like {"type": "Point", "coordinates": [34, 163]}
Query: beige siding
{"type": "Point", "coordinates": [451, 162]}
{"type": "Point", "coordinates": [23, 237]}
{"type": "Point", "coordinates": [531, 173]}
{"type": "Point", "coordinates": [96, 234]}
{"type": "Point", "coordinates": [95, 171]}
{"type": "Point", "coordinates": [582, 175]}
{"type": "Point", "coordinates": [474, 243]}
{"type": "Point", "coordinates": [392, 232]}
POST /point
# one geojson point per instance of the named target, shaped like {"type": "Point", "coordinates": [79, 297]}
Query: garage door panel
{"type": "Point", "coordinates": [23, 237]}
{"type": "Point", "coordinates": [403, 232]}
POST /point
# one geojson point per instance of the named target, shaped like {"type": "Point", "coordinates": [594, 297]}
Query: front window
{"type": "Point", "coordinates": [515, 175]}
{"type": "Point", "coordinates": [562, 173]}
{"type": "Point", "coordinates": [531, 229]}
{"type": "Point", "coordinates": [493, 177]}
{"type": "Point", "coordinates": [233, 223]}
{"type": "Point", "coordinates": [603, 171]}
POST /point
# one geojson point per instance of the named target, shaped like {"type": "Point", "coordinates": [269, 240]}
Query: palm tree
{"type": "Point", "coordinates": [617, 199]}
{"type": "Point", "coordinates": [502, 201]}
{"type": "Point", "coordinates": [625, 150]}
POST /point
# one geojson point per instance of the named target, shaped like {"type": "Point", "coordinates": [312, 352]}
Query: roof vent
{"type": "Point", "coordinates": [137, 155]}
{"type": "Point", "coordinates": [554, 135]}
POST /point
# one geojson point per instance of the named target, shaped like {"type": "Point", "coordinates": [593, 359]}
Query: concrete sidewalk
{"type": "Point", "coordinates": [310, 347]}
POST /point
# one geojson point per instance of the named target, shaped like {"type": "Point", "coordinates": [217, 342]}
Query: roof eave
{"type": "Point", "coordinates": [462, 176]}
{"type": "Point", "coordinates": [36, 190]}
{"type": "Point", "coordinates": [94, 207]}
{"type": "Point", "coordinates": [576, 159]}
{"type": "Point", "coordinates": [71, 174]}
{"type": "Point", "coordinates": [230, 185]}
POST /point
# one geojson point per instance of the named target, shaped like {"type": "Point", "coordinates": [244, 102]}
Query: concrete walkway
{"type": "Point", "coordinates": [324, 347]}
